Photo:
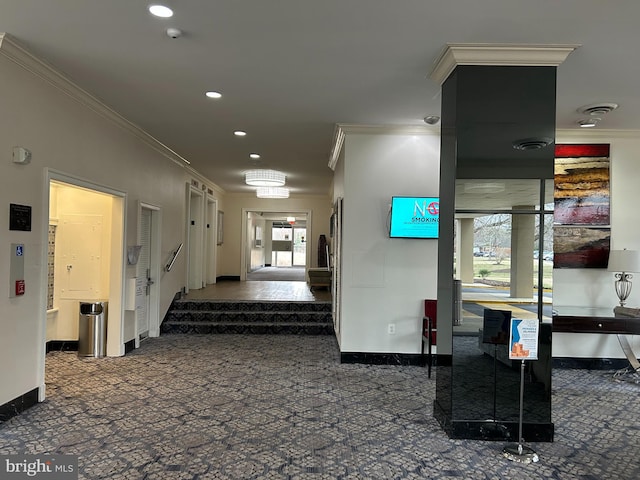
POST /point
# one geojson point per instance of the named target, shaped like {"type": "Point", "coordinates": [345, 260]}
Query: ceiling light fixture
{"type": "Point", "coordinates": [272, 192]}
{"type": "Point", "coordinates": [254, 156]}
{"type": "Point", "coordinates": [160, 11]}
{"type": "Point", "coordinates": [264, 178]}
{"type": "Point", "coordinates": [533, 143]}
{"type": "Point", "coordinates": [431, 119]}
{"type": "Point", "coordinates": [212, 94]}
{"type": "Point", "coordinates": [240, 133]}
{"type": "Point", "coordinates": [598, 108]}
{"type": "Point", "coordinates": [589, 122]}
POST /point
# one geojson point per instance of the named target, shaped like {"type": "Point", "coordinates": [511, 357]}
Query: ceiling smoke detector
{"type": "Point", "coordinates": [533, 143]}
{"type": "Point", "coordinates": [598, 108]}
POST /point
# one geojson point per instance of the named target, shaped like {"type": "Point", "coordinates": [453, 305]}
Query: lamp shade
{"type": "Point", "coordinates": [264, 178]}
{"type": "Point", "coordinates": [624, 261]}
{"type": "Point", "coordinates": [272, 192]}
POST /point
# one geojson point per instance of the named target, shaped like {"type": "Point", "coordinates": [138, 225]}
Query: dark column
{"type": "Point", "coordinates": [488, 111]}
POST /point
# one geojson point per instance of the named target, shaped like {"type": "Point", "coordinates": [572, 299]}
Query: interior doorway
{"type": "Point", "coordinates": [275, 239]}
{"type": "Point", "coordinates": [195, 230]}
{"type": "Point", "coordinates": [86, 257]}
{"type": "Point", "coordinates": [148, 269]}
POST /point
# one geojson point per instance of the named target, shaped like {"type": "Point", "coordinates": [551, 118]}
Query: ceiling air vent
{"type": "Point", "coordinates": [533, 143]}
{"type": "Point", "coordinates": [598, 108]}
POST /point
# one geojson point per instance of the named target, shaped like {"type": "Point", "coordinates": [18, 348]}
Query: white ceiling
{"type": "Point", "coordinates": [289, 70]}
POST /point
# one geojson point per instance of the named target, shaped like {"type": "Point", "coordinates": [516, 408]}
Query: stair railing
{"type": "Point", "coordinates": [174, 256]}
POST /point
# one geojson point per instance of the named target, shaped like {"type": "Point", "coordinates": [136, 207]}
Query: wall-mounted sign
{"type": "Point", "coordinates": [19, 217]}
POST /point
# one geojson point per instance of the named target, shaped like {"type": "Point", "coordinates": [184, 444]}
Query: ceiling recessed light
{"type": "Point", "coordinates": [589, 123]}
{"type": "Point", "coordinates": [160, 11]}
{"type": "Point", "coordinates": [255, 156]}
{"type": "Point", "coordinates": [240, 133]}
{"type": "Point", "coordinates": [212, 94]}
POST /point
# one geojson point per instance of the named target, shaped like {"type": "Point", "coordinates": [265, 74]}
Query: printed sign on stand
{"type": "Point", "coordinates": [523, 339]}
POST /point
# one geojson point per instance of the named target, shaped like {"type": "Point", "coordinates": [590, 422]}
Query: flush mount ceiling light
{"type": "Point", "coordinates": [272, 192]}
{"type": "Point", "coordinates": [598, 108]}
{"type": "Point", "coordinates": [533, 143]}
{"type": "Point", "coordinates": [212, 94]}
{"type": "Point", "coordinates": [264, 178]}
{"type": "Point", "coordinates": [254, 156]}
{"type": "Point", "coordinates": [240, 133]}
{"type": "Point", "coordinates": [160, 11]}
{"type": "Point", "coordinates": [431, 119]}
{"type": "Point", "coordinates": [589, 122]}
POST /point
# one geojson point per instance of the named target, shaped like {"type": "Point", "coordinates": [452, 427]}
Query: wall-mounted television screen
{"type": "Point", "coordinates": [414, 217]}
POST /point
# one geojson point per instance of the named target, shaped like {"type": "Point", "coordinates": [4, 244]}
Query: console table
{"type": "Point", "coordinates": [621, 322]}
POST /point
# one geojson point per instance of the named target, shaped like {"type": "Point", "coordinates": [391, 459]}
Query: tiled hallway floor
{"type": "Point", "coordinates": [282, 407]}
{"type": "Point", "coordinates": [261, 290]}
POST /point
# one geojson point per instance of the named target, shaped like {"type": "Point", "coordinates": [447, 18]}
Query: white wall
{"type": "Point", "coordinates": [384, 281]}
{"type": "Point", "coordinates": [92, 280]}
{"type": "Point", "coordinates": [75, 136]}
{"type": "Point", "coordinates": [594, 288]}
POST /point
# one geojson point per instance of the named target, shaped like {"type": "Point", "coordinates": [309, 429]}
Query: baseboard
{"type": "Point", "coordinates": [590, 363]}
{"type": "Point", "coordinates": [18, 405]}
{"type": "Point", "coordinates": [129, 346]}
{"type": "Point", "coordinates": [62, 346]}
{"type": "Point", "coordinates": [407, 359]}
{"type": "Point", "coordinates": [226, 278]}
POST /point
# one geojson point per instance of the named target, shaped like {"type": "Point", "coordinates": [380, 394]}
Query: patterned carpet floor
{"type": "Point", "coordinates": [283, 407]}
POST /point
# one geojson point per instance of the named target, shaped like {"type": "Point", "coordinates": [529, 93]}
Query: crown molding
{"type": "Point", "coordinates": [596, 133]}
{"type": "Point", "coordinates": [336, 146]}
{"type": "Point", "coordinates": [11, 49]}
{"type": "Point", "coordinates": [455, 54]}
{"type": "Point", "coordinates": [343, 129]}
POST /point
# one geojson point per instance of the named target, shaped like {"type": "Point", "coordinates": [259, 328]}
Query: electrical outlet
{"type": "Point", "coordinates": [391, 328]}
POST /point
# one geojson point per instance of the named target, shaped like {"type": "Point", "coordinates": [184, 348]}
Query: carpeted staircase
{"type": "Point", "coordinates": [247, 316]}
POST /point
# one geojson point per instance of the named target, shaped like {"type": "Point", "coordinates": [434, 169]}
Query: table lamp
{"type": "Point", "coordinates": [623, 261]}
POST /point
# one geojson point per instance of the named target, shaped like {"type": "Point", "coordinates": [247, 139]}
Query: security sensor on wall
{"type": "Point", "coordinates": [21, 155]}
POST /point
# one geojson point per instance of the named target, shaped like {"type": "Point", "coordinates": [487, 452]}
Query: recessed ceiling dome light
{"type": "Point", "coordinates": [533, 143]}
{"type": "Point", "coordinates": [598, 108]}
{"type": "Point", "coordinates": [589, 122]}
{"type": "Point", "coordinates": [240, 133]}
{"type": "Point", "coordinates": [264, 178]}
{"type": "Point", "coordinates": [212, 94]}
{"type": "Point", "coordinates": [160, 11]}
{"type": "Point", "coordinates": [255, 156]}
{"type": "Point", "coordinates": [272, 192]}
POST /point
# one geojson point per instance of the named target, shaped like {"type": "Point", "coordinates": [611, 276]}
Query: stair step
{"type": "Point", "coordinates": [247, 316]}
{"type": "Point", "coordinates": [247, 328]}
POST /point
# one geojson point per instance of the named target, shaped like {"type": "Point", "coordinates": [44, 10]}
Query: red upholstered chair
{"type": "Point", "coordinates": [429, 329]}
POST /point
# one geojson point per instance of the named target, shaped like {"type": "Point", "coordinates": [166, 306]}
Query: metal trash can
{"type": "Point", "coordinates": [92, 329]}
{"type": "Point", "coordinates": [457, 302]}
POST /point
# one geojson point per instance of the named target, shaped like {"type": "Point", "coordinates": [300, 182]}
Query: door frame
{"type": "Point", "coordinates": [211, 240]}
{"type": "Point", "coordinates": [116, 317]}
{"type": "Point", "coordinates": [154, 265]}
{"type": "Point", "coordinates": [194, 243]}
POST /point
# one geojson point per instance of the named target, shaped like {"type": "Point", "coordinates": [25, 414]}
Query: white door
{"type": "Point", "coordinates": [143, 274]}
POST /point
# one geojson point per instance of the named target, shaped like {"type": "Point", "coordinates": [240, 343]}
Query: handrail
{"type": "Point", "coordinates": [169, 265]}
